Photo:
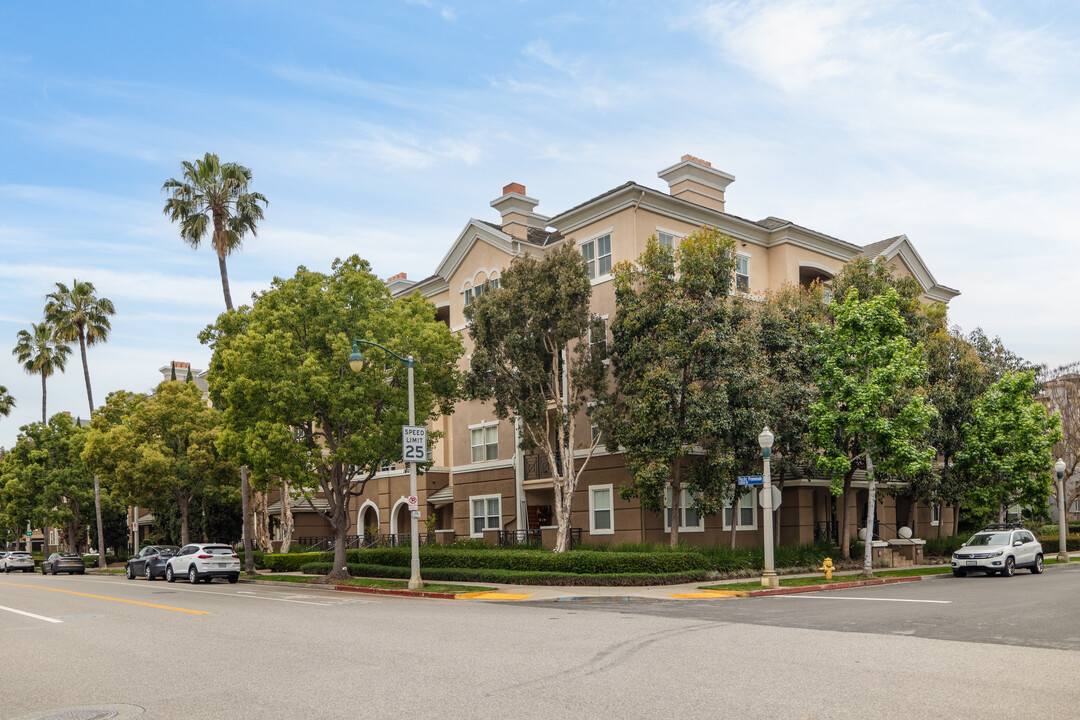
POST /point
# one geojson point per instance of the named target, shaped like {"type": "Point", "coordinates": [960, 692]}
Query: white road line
{"type": "Point", "coordinates": [839, 597]}
{"type": "Point", "coordinates": [30, 615]}
{"type": "Point", "coordinates": [238, 593]}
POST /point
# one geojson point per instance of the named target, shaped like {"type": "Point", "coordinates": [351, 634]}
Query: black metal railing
{"type": "Point", "coordinates": [326, 543]}
{"type": "Point", "coordinates": [537, 466]}
{"type": "Point", "coordinates": [827, 530]}
{"type": "Point", "coordinates": [514, 538]}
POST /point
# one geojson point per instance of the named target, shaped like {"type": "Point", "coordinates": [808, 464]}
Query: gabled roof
{"type": "Point", "coordinates": [901, 246]}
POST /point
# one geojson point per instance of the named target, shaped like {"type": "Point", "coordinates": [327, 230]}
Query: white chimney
{"type": "Point", "coordinates": [695, 180]}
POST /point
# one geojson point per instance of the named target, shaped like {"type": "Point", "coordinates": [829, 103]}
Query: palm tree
{"type": "Point", "coordinates": [7, 403]}
{"type": "Point", "coordinates": [41, 354]}
{"type": "Point", "coordinates": [214, 194]}
{"type": "Point", "coordinates": [77, 314]}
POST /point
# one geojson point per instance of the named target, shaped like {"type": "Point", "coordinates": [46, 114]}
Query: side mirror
{"type": "Point", "coordinates": [1018, 543]}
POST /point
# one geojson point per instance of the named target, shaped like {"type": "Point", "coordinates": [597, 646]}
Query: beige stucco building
{"type": "Point", "coordinates": [480, 482]}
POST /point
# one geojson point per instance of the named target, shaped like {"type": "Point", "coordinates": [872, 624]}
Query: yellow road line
{"type": "Point", "coordinates": [102, 597]}
{"type": "Point", "coordinates": [493, 596]}
{"type": "Point", "coordinates": [712, 594]}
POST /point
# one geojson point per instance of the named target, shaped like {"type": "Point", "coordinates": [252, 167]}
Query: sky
{"type": "Point", "coordinates": [380, 128]}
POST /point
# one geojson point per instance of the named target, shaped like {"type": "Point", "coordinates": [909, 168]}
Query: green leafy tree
{"type": "Point", "coordinates": [214, 196]}
{"type": "Point", "coordinates": [1007, 457]}
{"type": "Point", "coordinates": [165, 447]}
{"type": "Point", "coordinates": [870, 403]}
{"type": "Point", "coordinates": [291, 405]}
{"type": "Point", "coordinates": [998, 360]}
{"type": "Point", "coordinates": [77, 313]}
{"type": "Point", "coordinates": [45, 470]}
{"type": "Point", "coordinates": [41, 354]}
{"type": "Point", "coordinates": [7, 402]}
{"type": "Point", "coordinates": [532, 358]}
{"type": "Point", "coordinates": [672, 353]}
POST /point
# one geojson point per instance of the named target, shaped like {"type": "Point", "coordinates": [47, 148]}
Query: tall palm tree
{"type": "Point", "coordinates": [76, 313]}
{"type": "Point", "coordinates": [7, 403]}
{"type": "Point", "coordinates": [41, 354]}
{"type": "Point", "coordinates": [214, 195]}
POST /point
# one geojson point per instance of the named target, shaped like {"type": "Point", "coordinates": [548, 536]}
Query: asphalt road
{"type": "Point", "coordinates": [972, 648]}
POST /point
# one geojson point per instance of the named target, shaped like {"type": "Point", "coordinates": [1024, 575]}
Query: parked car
{"type": "Point", "coordinates": [59, 562]}
{"type": "Point", "coordinates": [203, 561]}
{"type": "Point", "coordinates": [999, 549]}
{"type": "Point", "coordinates": [150, 562]}
{"type": "Point", "coordinates": [16, 560]}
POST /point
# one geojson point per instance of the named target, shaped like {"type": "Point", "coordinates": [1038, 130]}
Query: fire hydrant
{"type": "Point", "coordinates": [827, 568]}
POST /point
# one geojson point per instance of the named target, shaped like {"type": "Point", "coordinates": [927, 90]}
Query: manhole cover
{"type": "Point", "coordinates": [80, 715]}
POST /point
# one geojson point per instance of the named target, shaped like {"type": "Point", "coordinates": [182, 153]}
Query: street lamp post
{"type": "Point", "coordinates": [1063, 521]}
{"type": "Point", "coordinates": [768, 577]}
{"type": "Point", "coordinates": [356, 362]}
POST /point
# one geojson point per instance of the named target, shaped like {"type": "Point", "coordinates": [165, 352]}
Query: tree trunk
{"type": "Point", "coordinates": [262, 522]}
{"type": "Point", "coordinates": [184, 503]}
{"type": "Point", "coordinates": [97, 514]}
{"type": "Point", "coordinates": [845, 526]}
{"type": "Point", "coordinates": [43, 418]}
{"type": "Point", "coordinates": [286, 516]}
{"type": "Point", "coordinates": [72, 537]}
{"type": "Point", "coordinates": [249, 556]}
{"type": "Point", "coordinates": [86, 370]}
{"type": "Point", "coordinates": [734, 515]}
{"type": "Point", "coordinates": [205, 529]}
{"type": "Point", "coordinates": [676, 506]}
{"type": "Point", "coordinates": [225, 281]}
{"type": "Point", "coordinates": [871, 499]}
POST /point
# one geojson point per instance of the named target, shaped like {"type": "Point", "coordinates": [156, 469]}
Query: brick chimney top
{"type": "Point", "coordinates": [514, 188]}
{"type": "Point", "coordinates": [178, 364]}
{"type": "Point", "coordinates": [698, 160]}
{"type": "Point", "coordinates": [399, 276]}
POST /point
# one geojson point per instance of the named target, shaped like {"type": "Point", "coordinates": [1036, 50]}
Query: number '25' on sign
{"type": "Point", "coordinates": [414, 443]}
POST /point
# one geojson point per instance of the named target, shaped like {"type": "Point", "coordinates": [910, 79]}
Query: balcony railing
{"type": "Point", "coordinates": [537, 466]}
{"type": "Point", "coordinates": [360, 542]}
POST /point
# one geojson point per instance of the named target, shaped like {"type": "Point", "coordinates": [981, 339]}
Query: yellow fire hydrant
{"type": "Point", "coordinates": [827, 568]}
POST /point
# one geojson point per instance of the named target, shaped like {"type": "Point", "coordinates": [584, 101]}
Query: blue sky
{"type": "Point", "coordinates": [379, 128]}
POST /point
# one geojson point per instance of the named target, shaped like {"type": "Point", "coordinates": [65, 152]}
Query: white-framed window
{"type": "Point", "coordinates": [689, 519]}
{"type": "Point", "coordinates": [597, 255]}
{"type": "Point", "coordinates": [935, 514]}
{"type": "Point", "coordinates": [389, 467]}
{"type": "Point", "coordinates": [485, 512]}
{"type": "Point", "coordinates": [485, 442]}
{"type": "Point", "coordinates": [468, 296]}
{"type": "Point", "coordinates": [666, 239]}
{"type": "Point", "coordinates": [601, 510]}
{"type": "Point", "coordinates": [493, 284]}
{"type": "Point", "coordinates": [742, 273]}
{"type": "Point", "coordinates": [746, 508]}
{"type": "Point", "coordinates": [594, 432]}
{"type": "Point", "coordinates": [593, 340]}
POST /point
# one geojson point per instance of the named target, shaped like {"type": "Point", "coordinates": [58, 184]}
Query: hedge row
{"type": "Point", "coordinates": [511, 577]}
{"type": "Point", "coordinates": [1050, 543]}
{"type": "Point", "coordinates": [581, 562]}
{"type": "Point", "coordinates": [291, 562]}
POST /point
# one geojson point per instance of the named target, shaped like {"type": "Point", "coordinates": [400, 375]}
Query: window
{"type": "Point", "coordinates": [593, 340]}
{"type": "Point", "coordinates": [742, 273]}
{"type": "Point", "coordinates": [598, 256]}
{"type": "Point", "coordinates": [389, 467]}
{"type": "Point", "coordinates": [594, 432]}
{"type": "Point", "coordinates": [468, 296]}
{"type": "Point", "coordinates": [601, 521]}
{"type": "Point", "coordinates": [935, 514]}
{"type": "Point", "coordinates": [747, 509]}
{"type": "Point", "coordinates": [486, 511]}
{"type": "Point", "coordinates": [689, 519]}
{"type": "Point", "coordinates": [485, 442]}
{"type": "Point", "coordinates": [493, 283]}
{"type": "Point", "coordinates": [666, 239]}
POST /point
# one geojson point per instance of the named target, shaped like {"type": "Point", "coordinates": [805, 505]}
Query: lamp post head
{"type": "Point", "coordinates": [766, 438]}
{"type": "Point", "coordinates": [356, 360]}
{"type": "Point", "coordinates": [1059, 468]}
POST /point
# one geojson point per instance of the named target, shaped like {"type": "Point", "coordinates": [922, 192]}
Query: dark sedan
{"type": "Point", "coordinates": [63, 562]}
{"type": "Point", "coordinates": [150, 562]}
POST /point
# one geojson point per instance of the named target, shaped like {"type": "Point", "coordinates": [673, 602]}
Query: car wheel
{"type": "Point", "coordinates": [234, 578]}
{"type": "Point", "coordinates": [82, 572]}
{"type": "Point", "coordinates": [208, 579]}
{"type": "Point", "coordinates": [1010, 567]}
{"type": "Point", "coordinates": [169, 574]}
{"type": "Point", "coordinates": [130, 573]}
{"type": "Point", "coordinates": [192, 575]}
{"type": "Point", "coordinates": [1038, 566]}
{"type": "Point", "coordinates": [53, 570]}
{"type": "Point", "coordinates": [43, 570]}
{"type": "Point", "coordinates": [148, 574]}
{"type": "Point", "coordinates": [959, 573]}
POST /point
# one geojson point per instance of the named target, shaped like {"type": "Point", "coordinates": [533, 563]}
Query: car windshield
{"type": "Point", "coordinates": [989, 539]}
{"type": "Point", "coordinates": [219, 550]}
{"type": "Point", "coordinates": [20, 554]}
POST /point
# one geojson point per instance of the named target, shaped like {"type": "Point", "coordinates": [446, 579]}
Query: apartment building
{"type": "Point", "coordinates": [481, 482]}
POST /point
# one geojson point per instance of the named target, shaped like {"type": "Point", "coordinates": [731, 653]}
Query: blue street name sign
{"type": "Point", "coordinates": [751, 479]}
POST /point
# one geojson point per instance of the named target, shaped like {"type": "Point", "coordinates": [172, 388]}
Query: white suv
{"type": "Point", "coordinates": [204, 561]}
{"type": "Point", "coordinates": [998, 549]}
{"type": "Point", "coordinates": [16, 560]}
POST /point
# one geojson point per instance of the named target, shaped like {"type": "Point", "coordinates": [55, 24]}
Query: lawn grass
{"type": "Point", "coordinates": [383, 584]}
{"type": "Point", "coordinates": [107, 571]}
{"type": "Point", "coordinates": [820, 579]}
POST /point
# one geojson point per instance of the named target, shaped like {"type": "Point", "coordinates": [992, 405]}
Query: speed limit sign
{"type": "Point", "coordinates": [414, 443]}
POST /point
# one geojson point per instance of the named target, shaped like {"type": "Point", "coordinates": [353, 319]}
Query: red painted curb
{"type": "Point", "coordinates": [391, 591]}
{"type": "Point", "coordinates": [833, 586]}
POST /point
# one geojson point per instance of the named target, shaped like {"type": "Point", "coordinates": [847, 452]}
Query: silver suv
{"type": "Point", "coordinates": [998, 549]}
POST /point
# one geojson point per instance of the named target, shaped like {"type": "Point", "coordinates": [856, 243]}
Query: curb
{"type": "Point", "coordinates": [834, 586]}
{"type": "Point", "coordinates": [393, 591]}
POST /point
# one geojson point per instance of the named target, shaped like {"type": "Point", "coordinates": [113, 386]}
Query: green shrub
{"type": "Point", "coordinates": [511, 577]}
{"type": "Point", "coordinates": [1050, 543]}
{"type": "Point", "coordinates": [291, 562]}
{"type": "Point", "coordinates": [92, 560]}
{"type": "Point", "coordinates": [943, 546]}
{"type": "Point", "coordinates": [584, 562]}
{"type": "Point", "coordinates": [260, 558]}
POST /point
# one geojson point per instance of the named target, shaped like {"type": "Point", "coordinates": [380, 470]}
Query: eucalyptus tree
{"type": "Point", "coordinates": [77, 313]}
{"type": "Point", "coordinates": [533, 359]}
{"type": "Point", "coordinates": [41, 353]}
{"type": "Point", "coordinates": [214, 196]}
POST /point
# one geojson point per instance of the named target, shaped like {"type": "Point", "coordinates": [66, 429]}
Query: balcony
{"type": "Point", "coordinates": [537, 466]}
